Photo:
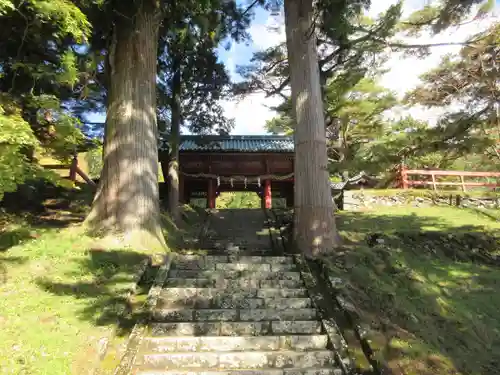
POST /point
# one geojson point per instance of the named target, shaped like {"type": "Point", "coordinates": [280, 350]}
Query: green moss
{"type": "Point", "coordinates": [60, 293]}
{"type": "Point", "coordinates": [430, 291]}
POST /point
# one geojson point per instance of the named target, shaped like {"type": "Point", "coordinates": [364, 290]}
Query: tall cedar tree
{"type": "Point", "coordinates": [315, 230]}
{"type": "Point", "coordinates": [127, 201]}
{"type": "Point", "coordinates": [191, 80]}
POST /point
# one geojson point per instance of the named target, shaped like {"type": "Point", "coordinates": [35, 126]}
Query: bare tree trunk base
{"type": "Point", "coordinates": [140, 240]}
{"type": "Point", "coordinates": [126, 209]}
{"type": "Point", "coordinates": [313, 234]}
{"type": "Point", "coordinates": [315, 231]}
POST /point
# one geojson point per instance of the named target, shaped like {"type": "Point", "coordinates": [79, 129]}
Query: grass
{"type": "Point", "coordinates": [58, 297]}
{"type": "Point", "coordinates": [60, 294]}
{"type": "Point", "coordinates": [478, 193]}
{"type": "Point", "coordinates": [238, 200]}
{"type": "Point", "coordinates": [390, 219]}
{"type": "Point", "coordinates": [429, 290]}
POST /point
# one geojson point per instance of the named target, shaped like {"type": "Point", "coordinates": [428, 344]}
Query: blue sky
{"type": "Point", "coordinates": [241, 53]}
{"type": "Point", "coordinates": [238, 54]}
{"type": "Point", "coordinates": [252, 112]}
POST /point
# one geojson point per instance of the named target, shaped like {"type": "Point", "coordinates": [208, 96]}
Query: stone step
{"type": "Point", "coordinates": [252, 250]}
{"type": "Point", "coordinates": [232, 302]}
{"type": "Point", "coordinates": [186, 293]}
{"type": "Point", "coordinates": [284, 371]}
{"type": "Point", "coordinates": [235, 259]}
{"type": "Point", "coordinates": [236, 360]}
{"type": "Point", "coordinates": [232, 343]}
{"type": "Point", "coordinates": [234, 284]}
{"type": "Point", "coordinates": [237, 266]}
{"type": "Point", "coordinates": [228, 315]}
{"type": "Point", "coordinates": [214, 274]}
{"type": "Point", "coordinates": [275, 327]}
{"type": "Point", "coordinates": [269, 267]}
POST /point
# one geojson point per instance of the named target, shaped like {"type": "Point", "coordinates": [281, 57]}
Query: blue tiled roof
{"type": "Point", "coordinates": [237, 143]}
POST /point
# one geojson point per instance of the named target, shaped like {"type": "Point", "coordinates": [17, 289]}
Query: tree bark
{"type": "Point", "coordinates": [173, 165]}
{"type": "Point", "coordinates": [314, 230]}
{"type": "Point", "coordinates": [126, 206]}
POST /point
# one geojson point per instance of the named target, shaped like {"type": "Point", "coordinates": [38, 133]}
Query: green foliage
{"type": "Point", "coordinates": [17, 143]}
{"type": "Point", "coordinates": [14, 130]}
{"type": "Point", "coordinates": [361, 138]}
{"type": "Point", "coordinates": [358, 114]}
{"type": "Point", "coordinates": [188, 49]}
{"type": "Point", "coordinates": [239, 199]}
{"type": "Point", "coordinates": [41, 72]}
{"type": "Point", "coordinates": [94, 162]}
{"type": "Point", "coordinates": [68, 18]}
{"type": "Point", "coordinates": [69, 75]}
{"type": "Point", "coordinates": [357, 110]}
{"type": "Point", "coordinates": [5, 6]}
{"type": "Point", "coordinates": [15, 135]}
{"type": "Point", "coordinates": [348, 44]}
{"type": "Point", "coordinates": [437, 16]}
{"type": "Point", "coordinates": [469, 82]}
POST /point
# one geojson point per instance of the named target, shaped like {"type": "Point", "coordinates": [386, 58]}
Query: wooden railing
{"type": "Point", "coordinates": [74, 170]}
{"type": "Point", "coordinates": [462, 175]}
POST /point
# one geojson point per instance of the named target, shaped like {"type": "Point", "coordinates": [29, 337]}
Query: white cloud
{"type": "Point", "coordinates": [230, 64]}
{"type": "Point", "coordinates": [251, 113]}
{"type": "Point", "coordinates": [379, 6]}
{"type": "Point", "coordinates": [269, 34]}
{"type": "Point", "coordinates": [404, 73]}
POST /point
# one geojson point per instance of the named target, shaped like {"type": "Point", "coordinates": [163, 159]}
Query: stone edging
{"type": "Point", "coordinates": [273, 239]}
{"type": "Point", "coordinates": [206, 222]}
{"type": "Point", "coordinates": [131, 290]}
{"type": "Point", "coordinates": [351, 316]}
{"type": "Point", "coordinates": [336, 340]}
{"type": "Point", "coordinates": [140, 327]}
{"type": "Point", "coordinates": [361, 199]}
{"type": "Point", "coordinates": [202, 235]}
{"type": "Point", "coordinates": [341, 304]}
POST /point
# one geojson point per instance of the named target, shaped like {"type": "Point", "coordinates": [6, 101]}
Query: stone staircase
{"type": "Point", "coordinates": [241, 230]}
{"type": "Point", "coordinates": [235, 314]}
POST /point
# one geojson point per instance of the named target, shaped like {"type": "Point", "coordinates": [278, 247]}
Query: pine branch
{"type": "Point", "coordinates": [249, 8]}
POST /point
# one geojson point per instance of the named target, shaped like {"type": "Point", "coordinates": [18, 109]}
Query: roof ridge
{"type": "Point", "coordinates": [236, 136]}
{"type": "Point", "coordinates": [237, 143]}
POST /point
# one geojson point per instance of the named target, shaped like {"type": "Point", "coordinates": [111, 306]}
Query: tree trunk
{"type": "Point", "coordinates": [315, 230]}
{"type": "Point", "coordinates": [173, 165]}
{"type": "Point", "coordinates": [126, 206]}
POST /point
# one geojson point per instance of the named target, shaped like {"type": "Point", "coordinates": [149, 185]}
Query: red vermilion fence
{"type": "Point", "coordinates": [462, 175]}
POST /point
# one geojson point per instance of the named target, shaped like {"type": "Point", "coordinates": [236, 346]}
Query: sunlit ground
{"type": "Point", "coordinates": [428, 288]}
{"type": "Point", "coordinates": [60, 294]}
